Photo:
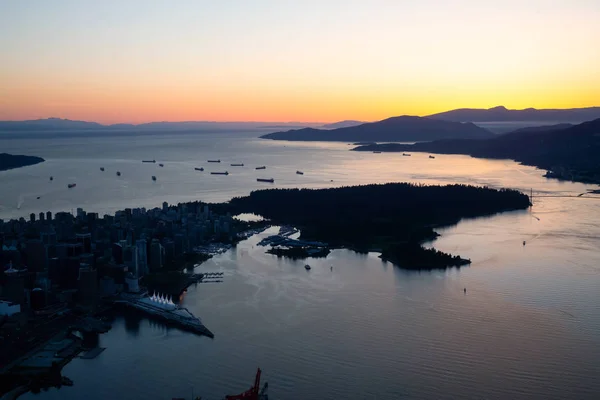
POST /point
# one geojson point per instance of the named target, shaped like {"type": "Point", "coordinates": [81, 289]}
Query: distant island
{"type": "Point", "coordinates": [571, 153]}
{"type": "Point", "coordinates": [395, 129]}
{"type": "Point", "coordinates": [394, 218]}
{"type": "Point", "coordinates": [502, 114]}
{"type": "Point", "coordinates": [10, 161]}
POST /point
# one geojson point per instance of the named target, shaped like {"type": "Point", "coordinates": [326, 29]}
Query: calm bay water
{"type": "Point", "coordinates": [527, 328]}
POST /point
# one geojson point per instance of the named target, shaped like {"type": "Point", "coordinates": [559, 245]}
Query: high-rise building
{"type": "Point", "coordinates": [130, 260]}
{"type": "Point", "coordinates": [42, 216]}
{"type": "Point", "coordinates": [48, 238]}
{"type": "Point", "coordinates": [156, 255]}
{"type": "Point", "coordinates": [36, 255]}
{"type": "Point", "coordinates": [86, 241]}
{"type": "Point", "coordinates": [165, 206]}
{"type": "Point", "coordinates": [142, 256]}
{"type": "Point", "coordinates": [49, 215]}
{"type": "Point", "coordinates": [88, 285]}
{"type": "Point", "coordinates": [117, 253]}
{"type": "Point", "coordinates": [179, 240]}
{"type": "Point", "coordinates": [32, 217]}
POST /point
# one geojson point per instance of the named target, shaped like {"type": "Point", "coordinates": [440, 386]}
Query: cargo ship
{"type": "Point", "coordinates": [299, 173]}
{"type": "Point", "coordinates": [161, 165]}
{"type": "Point", "coordinates": [149, 161]}
{"type": "Point", "coordinates": [263, 167]}
{"type": "Point", "coordinates": [220, 173]}
{"type": "Point", "coordinates": [214, 161]}
{"type": "Point", "coordinates": [199, 169]}
{"type": "Point", "coordinates": [406, 154]}
{"type": "Point", "coordinates": [101, 168]}
{"type": "Point", "coordinates": [237, 165]}
{"type": "Point", "coordinates": [269, 180]}
{"type": "Point", "coordinates": [71, 185]}
{"type": "Point", "coordinates": [431, 157]}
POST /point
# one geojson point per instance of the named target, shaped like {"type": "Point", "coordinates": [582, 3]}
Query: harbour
{"type": "Point", "coordinates": [268, 306]}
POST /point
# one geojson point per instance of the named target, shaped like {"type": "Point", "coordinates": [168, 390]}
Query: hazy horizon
{"type": "Point", "coordinates": [135, 62]}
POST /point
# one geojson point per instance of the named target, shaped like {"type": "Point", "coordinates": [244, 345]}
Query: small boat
{"type": "Point", "coordinates": [153, 178]}
{"type": "Point", "coordinates": [220, 173]}
{"type": "Point", "coordinates": [263, 167]}
{"type": "Point", "coordinates": [118, 173]}
{"type": "Point", "coordinates": [237, 165]}
{"type": "Point", "coordinates": [149, 161]}
{"type": "Point", "coordinates": [51, 178]}
{"type": "Point", "coordinates": [524, 243]}
{"type": "Point", "coordinates": [38, 197]}
{"type": "Point", "coordinates": [71, 185]}
{"type": "Point", "coordinates": [101, 168]}
{"type": "Point", "coordinates": [269, 180]}
{"type": "Point", "coordinates": [307, 267]}
{"type": "Point", "coordinates": [199, 169]}
{"type": "Point", "coordinates": [161, 165]}
{"type": "Point", "coordinates": [214, 160]}
{"type": "Point", "coordinates": [406, 154]}
{"type": "Point", "coordinates": [431, 157]}
{"type": "Point", "coordinates": [299, 173]}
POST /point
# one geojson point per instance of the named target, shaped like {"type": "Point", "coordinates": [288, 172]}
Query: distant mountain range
{"type": "Point", "coordinates": [342, 124]}
{"type": "Point", "coordinates": [502, 114]}
{"type": "Point", "coordinates": [59, 124]}
{"type": "Point", "coordinates": [571, 152]}
{"type": "Point", "coordinates": [395, 129]}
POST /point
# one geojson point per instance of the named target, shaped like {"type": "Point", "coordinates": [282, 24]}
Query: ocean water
{"type": "Point", "coordinates": [528, 326]}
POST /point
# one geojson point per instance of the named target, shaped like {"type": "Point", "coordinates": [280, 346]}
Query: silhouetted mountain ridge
{"type": "Point", "coordinates": [59, 124]}
{"type": "Point", "coordinates": [502, 114]}
{"type": "Point", "coordinates": [572, 153]}
{"type": "Point", "coordinates": [398, 129]}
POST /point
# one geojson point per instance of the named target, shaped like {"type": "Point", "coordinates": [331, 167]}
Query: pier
{"type": "Point", "coordinates": [166, 310]}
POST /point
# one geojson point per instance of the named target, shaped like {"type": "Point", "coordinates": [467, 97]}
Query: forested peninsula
{"type": "Point", "coordinates": [393, 218]}
{"type": "Point", "coordinates": [10, 161]}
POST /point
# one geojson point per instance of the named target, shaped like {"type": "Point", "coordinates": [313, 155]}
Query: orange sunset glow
{"type": "Point", "coordinates": [302, 62]}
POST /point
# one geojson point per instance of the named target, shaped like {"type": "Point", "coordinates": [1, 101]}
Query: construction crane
{"type": "Point", "coordinates": [254, 393]}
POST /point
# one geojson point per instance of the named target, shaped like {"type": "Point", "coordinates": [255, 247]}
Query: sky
{"type": "Point", "coordinates": [303, 60]}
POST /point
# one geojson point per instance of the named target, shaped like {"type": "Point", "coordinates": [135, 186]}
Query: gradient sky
{"type": "Point", "coordinates": [283, 60]}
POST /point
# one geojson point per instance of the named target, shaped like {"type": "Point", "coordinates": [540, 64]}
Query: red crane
{"type": "Point", "coordinates": [253, 393]}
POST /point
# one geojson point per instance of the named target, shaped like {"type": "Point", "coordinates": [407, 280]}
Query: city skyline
{"type": "Point", "coordinates": [280, 61]}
